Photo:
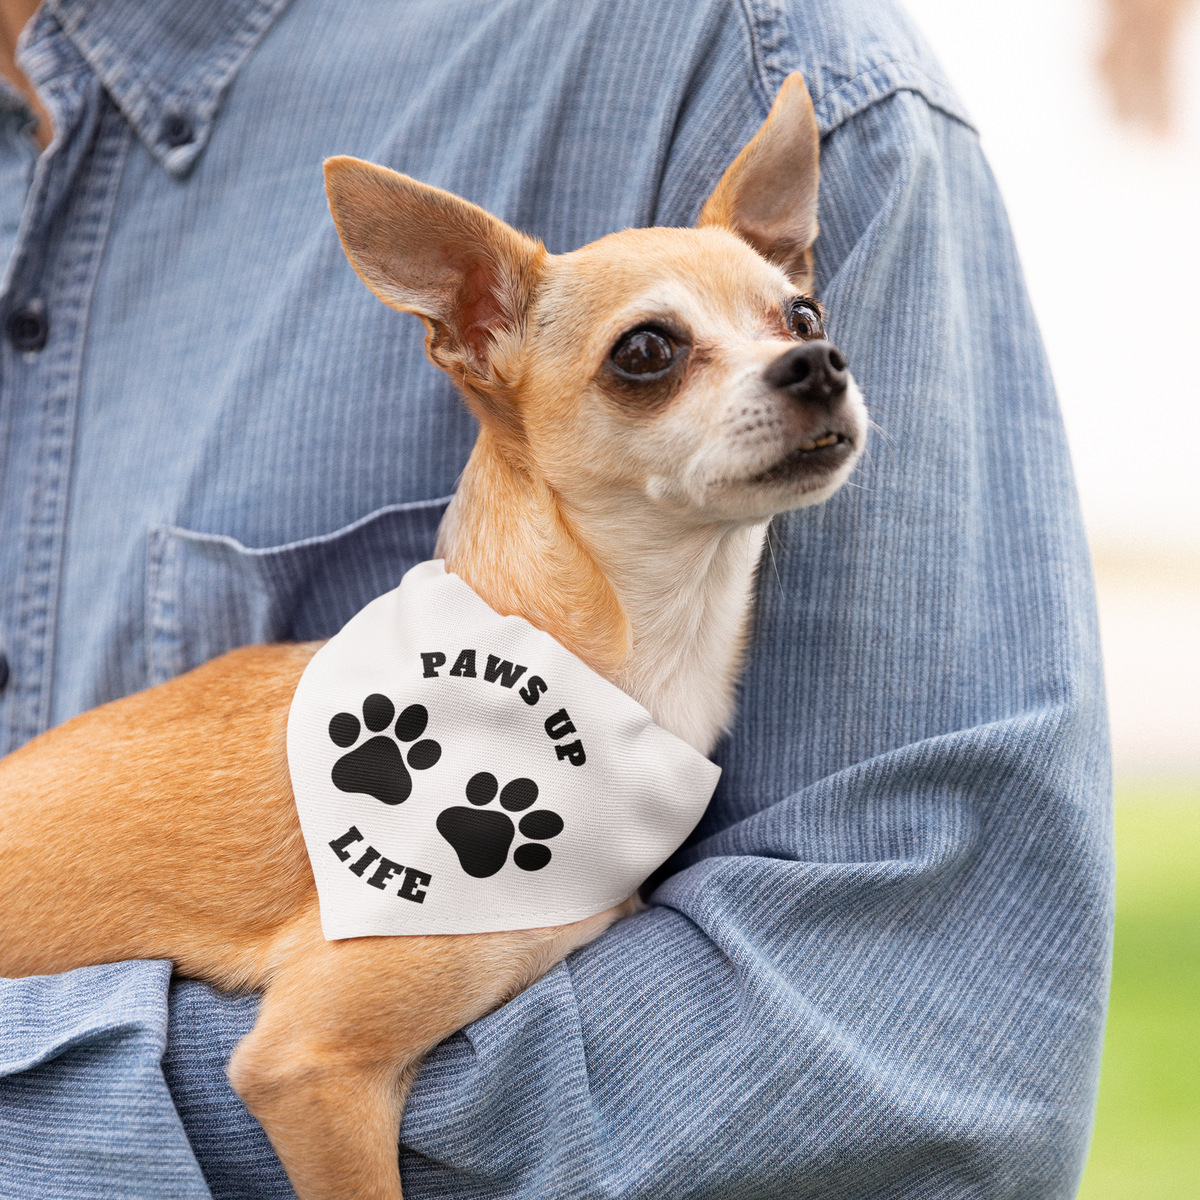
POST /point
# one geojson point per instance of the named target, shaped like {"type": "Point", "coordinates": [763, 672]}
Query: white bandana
{"type": "Point", "coordinates": [535, 792]}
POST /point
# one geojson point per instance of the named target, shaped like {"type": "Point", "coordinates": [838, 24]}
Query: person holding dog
{"type": "Point", "coordinates": [878, 966]}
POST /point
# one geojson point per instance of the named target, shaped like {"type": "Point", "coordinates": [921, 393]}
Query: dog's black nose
{"type": "Point", "coordinates": [814, 372]}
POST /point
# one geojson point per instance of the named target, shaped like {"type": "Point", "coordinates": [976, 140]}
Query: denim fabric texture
{"type": "Point", "coordinates": [879, 966]}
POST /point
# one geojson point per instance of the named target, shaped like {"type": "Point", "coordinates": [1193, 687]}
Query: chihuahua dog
{"type": "Point", "coordinates": [646, 405]}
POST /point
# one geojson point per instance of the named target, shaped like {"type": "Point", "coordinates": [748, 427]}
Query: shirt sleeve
{"type": "Point", "coordinates": [879, 968]}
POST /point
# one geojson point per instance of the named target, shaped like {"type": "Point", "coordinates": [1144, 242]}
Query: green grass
{"type": "Point", "coordinates": [1147, 1137]}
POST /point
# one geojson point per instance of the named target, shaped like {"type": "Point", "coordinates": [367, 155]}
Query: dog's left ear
{"type": "Point", "coordinates": [768, 196]}
{"type": "Point", "coordinates": [466, 274]}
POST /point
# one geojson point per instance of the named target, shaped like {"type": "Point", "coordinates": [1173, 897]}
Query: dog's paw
{"type": "Point", "coordinates": [482, 836]}
{"type": "Point", "coordinates": [377, 766]}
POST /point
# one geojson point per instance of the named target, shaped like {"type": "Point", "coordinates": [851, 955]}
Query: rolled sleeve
{"type": "Point", "coordinates": [85, 1113]}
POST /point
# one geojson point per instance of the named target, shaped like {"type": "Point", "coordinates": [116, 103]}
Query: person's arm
{"type": "Point", "coordinates": [881, 970]}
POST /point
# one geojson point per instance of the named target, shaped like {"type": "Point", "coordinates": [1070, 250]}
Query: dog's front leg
{"type": "Point", "coordinates": [344, 1026]}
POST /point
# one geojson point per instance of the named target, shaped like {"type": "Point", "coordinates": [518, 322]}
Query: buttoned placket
{"type": "Point", "coordinates": [110, 75]}
{"type": "Point", "coordinates": [44, 308]}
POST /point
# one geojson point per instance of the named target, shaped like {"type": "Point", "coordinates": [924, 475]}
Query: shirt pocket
{"type": "Point", "coordinates": [207, 593]}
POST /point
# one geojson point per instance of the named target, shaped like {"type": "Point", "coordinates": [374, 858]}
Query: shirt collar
{"type": "Point", "coordinates": [165, 64]}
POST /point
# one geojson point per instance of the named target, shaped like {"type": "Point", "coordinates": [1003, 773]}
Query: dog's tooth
{"type": "Point", "coordinates": [808, 445]}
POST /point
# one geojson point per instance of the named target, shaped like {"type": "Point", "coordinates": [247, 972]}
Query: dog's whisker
{"type": "Point", "coordinates": [771, 548]}
{"type": "Point", "coordinates": [874, 425]}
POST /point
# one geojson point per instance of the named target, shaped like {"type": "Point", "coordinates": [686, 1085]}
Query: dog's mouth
{"type": "Point", "coordinates": [824, 453]}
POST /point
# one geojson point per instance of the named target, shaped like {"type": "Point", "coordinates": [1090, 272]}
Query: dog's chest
{"type": "Point", "coordinates": [689, 643]}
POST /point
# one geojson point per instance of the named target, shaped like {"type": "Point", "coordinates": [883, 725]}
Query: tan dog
{"type": "Point", "coordinates": [646, 404]}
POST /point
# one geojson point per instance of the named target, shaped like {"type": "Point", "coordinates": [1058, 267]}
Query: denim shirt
{"type": "Point", "coordinates": [878, 968]}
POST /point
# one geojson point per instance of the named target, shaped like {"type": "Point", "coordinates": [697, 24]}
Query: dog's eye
{"type": "Point", "coordinates": [643, 353]}
{"type": "Point", "coordinates": [804, 319]}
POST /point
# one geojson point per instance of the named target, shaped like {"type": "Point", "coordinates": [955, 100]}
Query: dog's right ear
{"type": "Point", "coordinates": [768, 195]}
{"type": "Point", "coordinates": [466, 274]}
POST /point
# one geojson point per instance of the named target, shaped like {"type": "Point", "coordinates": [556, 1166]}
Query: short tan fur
{"type": "Point", "coordinates": [624, 516]}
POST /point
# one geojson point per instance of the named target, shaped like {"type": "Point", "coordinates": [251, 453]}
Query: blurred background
{"type": "Point", "coordinates": [1089, 111]}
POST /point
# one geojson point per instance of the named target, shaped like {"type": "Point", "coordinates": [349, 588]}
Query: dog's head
{"type": "Point", "coordinates": [683, 368]}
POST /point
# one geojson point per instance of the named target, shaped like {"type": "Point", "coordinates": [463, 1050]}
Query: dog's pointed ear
{"type": "Point", "coordinates": [768, 196]}
{"type": "Point", "coordinates": [466, 274]}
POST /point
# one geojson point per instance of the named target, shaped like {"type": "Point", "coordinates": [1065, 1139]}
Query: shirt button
{"type": "Point", "coordinates": [177, 130]}
{"type": "Point", "coordinates": [28, 329]}
{"type": "Point", "coordinates": [3, 670]}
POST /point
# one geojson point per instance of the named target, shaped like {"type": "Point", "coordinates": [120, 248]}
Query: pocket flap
{"type": "Point", "coordinates": [207, 593]}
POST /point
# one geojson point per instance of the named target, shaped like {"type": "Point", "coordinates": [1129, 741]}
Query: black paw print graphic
{"type": "Point", "coordinates": [377, 766]}
{"type": "Point", "coordinates": [481, 836]}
